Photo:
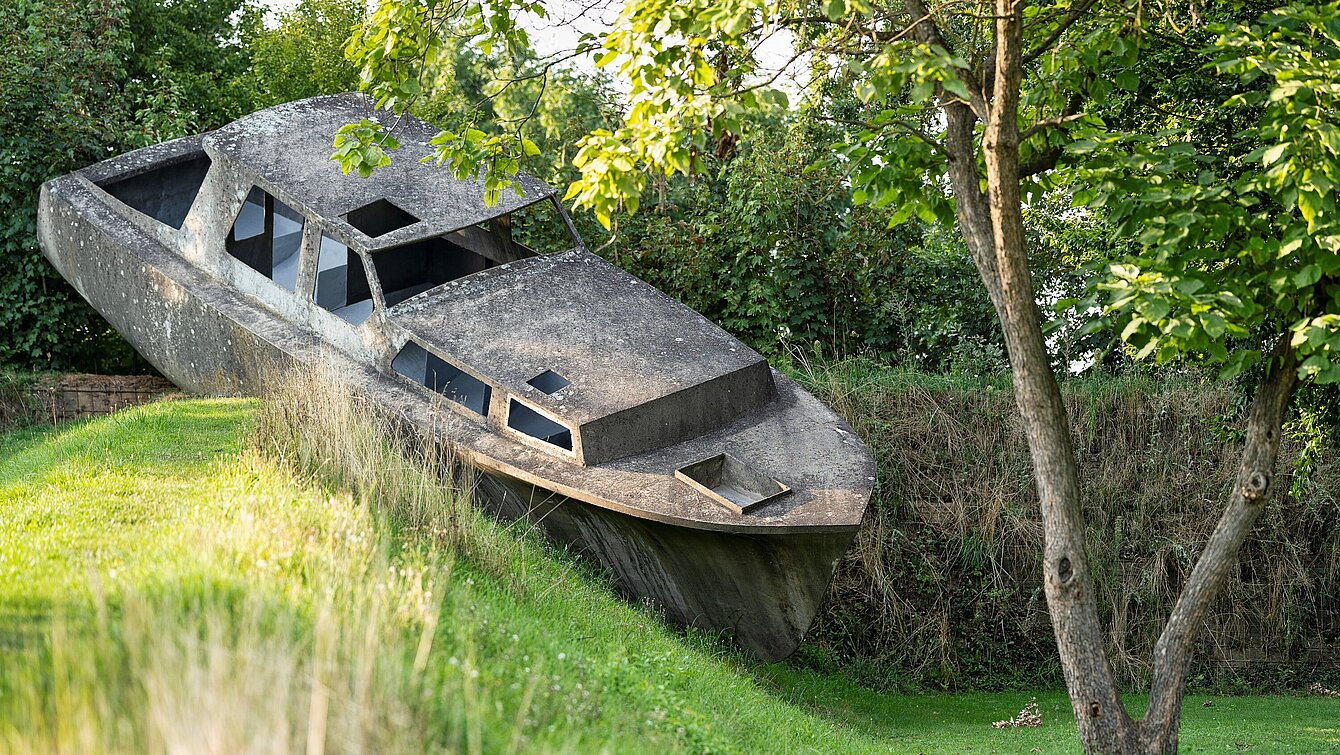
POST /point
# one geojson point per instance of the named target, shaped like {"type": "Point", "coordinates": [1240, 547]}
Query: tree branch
{"type": "Point", "coordinates": [1041, 162]}
{"type": "Point", "coordinates": [1074, 15]}
{"type": "Point", "coordinates": [1256, 475]}
{"type": "Point", "coordinates": [927, 32]}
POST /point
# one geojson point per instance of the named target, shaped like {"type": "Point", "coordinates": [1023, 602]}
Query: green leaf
{"type": "Point", "coordinates": [1273, 154]}
{"type": "Point", "coordinates": [1307, 277]}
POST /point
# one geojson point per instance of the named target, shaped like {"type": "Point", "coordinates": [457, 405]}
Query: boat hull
{"type": "Point", "coordinates": [762, 589]}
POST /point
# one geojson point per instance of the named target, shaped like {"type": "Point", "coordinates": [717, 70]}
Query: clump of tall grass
{"type": "Point", "coordinates": [315, 624]}
{"type": "Point", "coordinates": [17, 405]}
{"type": "Point", "coordinates": [316, 423]}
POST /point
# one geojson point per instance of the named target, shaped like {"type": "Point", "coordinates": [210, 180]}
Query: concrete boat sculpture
{"type": "Point", "coordinates": [620, 420]}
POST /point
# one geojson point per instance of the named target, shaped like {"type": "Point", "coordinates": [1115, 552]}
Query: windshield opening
{"type": "Point", "coordinates": [408, 270]}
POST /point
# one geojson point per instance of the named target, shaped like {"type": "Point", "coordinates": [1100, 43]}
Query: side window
{"type": "Point", "coordinates": [526, 420]}
{"type": "Point", "coordinates": [417, 364]}
{"type": "Point", "coordinates": [267, 236]}
{"type": "Point", "coordinates": [164, 193]}
{"type": "Point", "coordinates": [341, 282]}
{"type": "Point", "coordinates": [525, 232]}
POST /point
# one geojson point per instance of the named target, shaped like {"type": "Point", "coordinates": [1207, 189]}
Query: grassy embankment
{"type": "Point", "coordinates": [165, 586]}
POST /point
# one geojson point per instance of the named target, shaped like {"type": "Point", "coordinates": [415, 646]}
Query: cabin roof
{"type": "Point", "coordinates": [289, 146]}
{"type": "Point", "coordinates": [620, 341]}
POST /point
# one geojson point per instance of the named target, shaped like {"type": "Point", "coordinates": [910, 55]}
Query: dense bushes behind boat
{"type": "Point", "coordinates": [942, 588]}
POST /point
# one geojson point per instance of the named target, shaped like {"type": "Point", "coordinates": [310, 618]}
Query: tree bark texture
{"type": "Point", "coordinates": [1104, 725]}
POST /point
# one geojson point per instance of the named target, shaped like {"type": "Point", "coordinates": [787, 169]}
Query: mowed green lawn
{"type": "Point", "coordinates": [164, 587]}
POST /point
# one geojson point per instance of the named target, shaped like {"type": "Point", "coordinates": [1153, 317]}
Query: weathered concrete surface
{"type": "Point", "coordinates": [643, 403]}
{"type": "Point", "coordinates": [289, 146]}
{"type": "Point", "coordinates": [645, 371]}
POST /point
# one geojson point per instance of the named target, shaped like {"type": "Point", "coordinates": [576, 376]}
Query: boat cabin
{"type": "Point", "coordinates": [498, 312]}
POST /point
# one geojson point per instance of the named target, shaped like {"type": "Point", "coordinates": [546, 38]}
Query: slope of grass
{"type": "Point", "coordinates": [167, 587]}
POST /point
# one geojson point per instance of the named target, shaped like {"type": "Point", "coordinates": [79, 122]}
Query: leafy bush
{"type": "Point", "coordinates": [83, 81]}
{"type": "Point", "coordinates": [780, 257]}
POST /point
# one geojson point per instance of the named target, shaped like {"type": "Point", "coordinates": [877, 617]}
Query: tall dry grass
{"type": "Point", "coordinates": [943, 586]}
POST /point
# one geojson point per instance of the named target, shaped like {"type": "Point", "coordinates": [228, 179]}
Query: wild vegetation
{"type": "Point", "coordinates": [968, 112]}
{"type": "Point", "coordinates": [222, 576]}
{"type": "Point", "coordinates": [785, 240]}
{"type": "Point", "coordinates": [943, 586]}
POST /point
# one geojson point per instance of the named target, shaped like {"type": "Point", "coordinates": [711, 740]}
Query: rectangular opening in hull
{"type": "Point", "coordinates": [731, 482]}
{"type": "Point", "coordinates": [165, 193]}
{"type": "Point", "coordinates": [526, 420]}
{"type": "Point", "coordinates": [426, 368]}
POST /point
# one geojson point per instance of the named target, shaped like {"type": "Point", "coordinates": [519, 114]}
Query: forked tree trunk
{"type": "Point", "coordinates": [992, 226]}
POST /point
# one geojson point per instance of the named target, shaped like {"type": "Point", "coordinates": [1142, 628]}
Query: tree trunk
{"type": "Point", "coordinates": [1172, 653]}
{"type": "Point", "coordinates": [991, 223]}
{"type": "Point", "coordinates": [1104, 725]}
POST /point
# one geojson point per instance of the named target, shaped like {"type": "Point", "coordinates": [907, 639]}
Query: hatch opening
{"type": "Point", "coordinates": [731, 482]}
{"type": "Point", "coordinates": [380, 218]}
{"type": "Point", "coordinates": [549, 381]}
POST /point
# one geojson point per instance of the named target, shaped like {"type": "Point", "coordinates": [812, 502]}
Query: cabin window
{"type": "Point", "coordinates": [414, 268]}
{"type": "Point", "coordinates": [341, 282]}
{"type": "Point", "coordinates": [165, 193]}
{"type": "Point", "coordinates": [530, 230]}
{"type": "Point", "coordinates": [426, 368]}
{"type": "Point", "coordinates": [380, 218]}
{"type": "Point", "coordinates": [526, 420]}
{"type": "Point", "coordinates": [549, 382]}
{"type": "Point", "coordinates": [267, 237]}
